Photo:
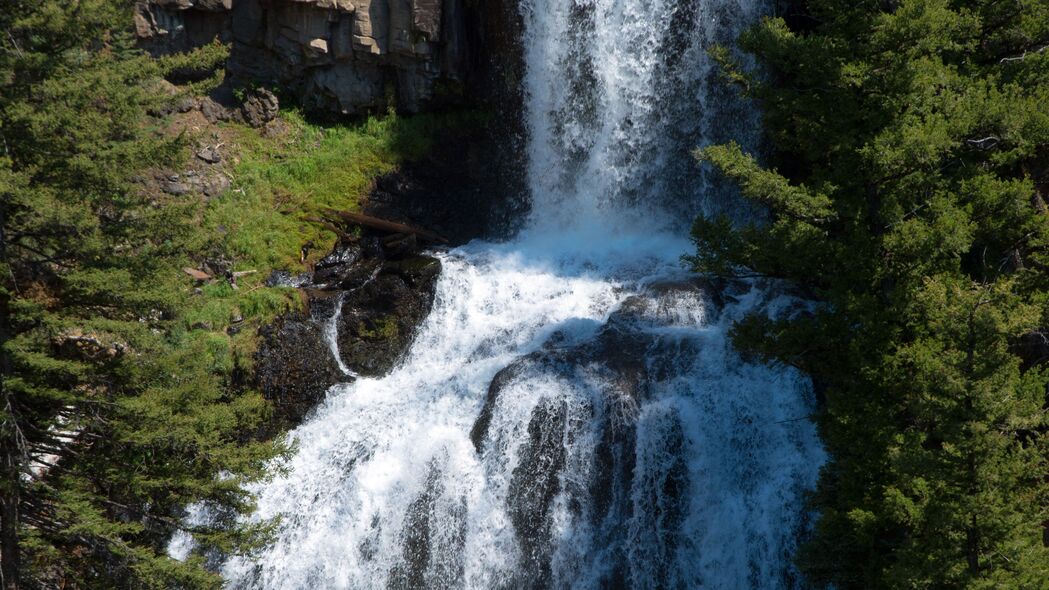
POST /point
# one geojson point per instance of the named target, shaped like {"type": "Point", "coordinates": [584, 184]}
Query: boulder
{"type": "Point", "coordinates": [260, 107]}
{"type": "Point", "coordinates": [209, 154]}
{"type": "Point", "coordinates": [214, 184]}
{"type": "Point", "coordinates": [382, 297]}
{"type": "Point", "coordinates": [380, 318]}
{"type": "Point", "coordinates": [294, 367]}
{"type": "Point", "coordinates": [215, 111]}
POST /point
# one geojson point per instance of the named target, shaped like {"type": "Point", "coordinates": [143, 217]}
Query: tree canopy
{"type": "Point", "coordinates": [906, 184]}
{"type": "Point", "coordinates": [114, 415]}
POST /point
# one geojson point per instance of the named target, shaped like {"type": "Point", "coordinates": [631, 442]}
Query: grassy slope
{"type": "Point", "coordinates": [280, 181]}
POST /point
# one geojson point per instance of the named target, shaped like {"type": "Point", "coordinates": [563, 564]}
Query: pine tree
{"type": "Point", "coordinates": [912, 141]}
{"type": "Point", "coordinates": [114, 418]}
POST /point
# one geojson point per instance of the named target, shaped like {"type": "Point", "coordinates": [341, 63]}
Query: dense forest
{"type": "Point", "coordinates": [907, 187]}
{"type": "Point", "coordinates": [115, 413]}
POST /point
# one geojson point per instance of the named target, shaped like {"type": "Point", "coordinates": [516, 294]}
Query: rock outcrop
{"type": "Point", "coordinates": [167, 26]}
{"type": "Point", "coordinates": [294, 368]}
{"type": "Point", "coordinates": [343, 56]}
{"type": "Point", "coordinates": [366, 296]}
{"type": "Point", "coordinates": [386, 293]}
{"type": "Point", "coordinates": [614, 372]}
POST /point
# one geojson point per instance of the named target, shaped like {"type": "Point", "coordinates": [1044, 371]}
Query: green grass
{"type": "Point", "coordinates": [280, 184]}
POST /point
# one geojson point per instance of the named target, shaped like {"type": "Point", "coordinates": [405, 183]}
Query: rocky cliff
{"type": "Point", "coordinates": [345, 56]}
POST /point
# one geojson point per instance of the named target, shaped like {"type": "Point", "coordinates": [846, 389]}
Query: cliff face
{"type": "Point", "coordinates": [344, 56]}
{"type": "Point", "coordinates": [166, 26]}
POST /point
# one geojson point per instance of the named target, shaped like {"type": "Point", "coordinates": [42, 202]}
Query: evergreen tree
{"type": "Point", "coordinates": [912, 143]}
{"type": "Point", "coordinates": [113, 418]}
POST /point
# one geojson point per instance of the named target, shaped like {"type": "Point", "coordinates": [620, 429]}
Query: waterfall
{"type": "Point", "coordinates": [331, 336]}
{"type": "Point", "coordinates": [572, 413]}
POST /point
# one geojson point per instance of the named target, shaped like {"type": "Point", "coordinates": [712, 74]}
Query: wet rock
{"type": "Point", "coordinates": [294, 367]}
{"type": "Point", "coordinates": [619, 352]}
{"type": "Point", "coordinates": [283, 278]}
{"type": "Point", "coordinates": [503, 378]}
{"type": "Point", "coordinates": [420, 272]}
{"type": "Point", "coordinates": [621, 363]}
{"type": "Point", "coordinates": [416, 538]}
{"type": "Point", "coordinates": [381, 299]}
{"type": "Point", "coordinates": [614, 461]}
{"type": "Point", "coordinates": [714, 292]}
{"type": "Point", "coordinates": [432, 539]}
{"type": "Point", "coordinates": [534, 484]}
{"type": "Point", "coordinates": [338, 267]}
{"type": "Point", "coordinates": [379, 319]}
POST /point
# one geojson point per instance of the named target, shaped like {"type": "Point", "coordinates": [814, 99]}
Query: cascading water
{"type": "Point", "coordinates": [571, 413]}
{"type": "Point", "coordinates": [331, 336]}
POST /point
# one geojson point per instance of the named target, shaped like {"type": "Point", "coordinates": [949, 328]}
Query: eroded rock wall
{"type": "Point", "coordinates": [343, 56]}
{"type": "Point", "coordinates": [168, 26]}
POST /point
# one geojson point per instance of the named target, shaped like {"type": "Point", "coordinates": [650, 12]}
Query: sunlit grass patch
{"type": "Point", "coordinates": [281, 180]}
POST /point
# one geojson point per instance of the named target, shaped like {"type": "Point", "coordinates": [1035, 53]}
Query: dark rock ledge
{"type": "Point", "coordinates": [378, 289]}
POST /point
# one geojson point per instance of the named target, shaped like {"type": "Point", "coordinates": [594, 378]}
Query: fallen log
{"type": "Point", "coordinates": [384, 225]}
{"type": "Point", "coordinates": [197, 275]}
{"type": "Point", "coordinates": [398, 240]}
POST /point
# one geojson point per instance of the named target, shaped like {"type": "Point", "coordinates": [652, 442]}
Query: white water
{"type": "Point", "coordinates": [331, 336]}
{"type": "Point", "coordinates": [624, 443]}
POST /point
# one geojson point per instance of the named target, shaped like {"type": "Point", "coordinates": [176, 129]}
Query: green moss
{"type": "Point", "coordinates": [383, 329]}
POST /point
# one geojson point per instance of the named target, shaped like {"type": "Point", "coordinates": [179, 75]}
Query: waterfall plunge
{"type": "Point", "coordinates": [571, 413]}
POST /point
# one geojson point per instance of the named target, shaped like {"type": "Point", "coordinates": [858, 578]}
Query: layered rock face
{"type": "Point", "coordinates": [167, 26]}
{"type": "Point", "coordinates": [345, 56]}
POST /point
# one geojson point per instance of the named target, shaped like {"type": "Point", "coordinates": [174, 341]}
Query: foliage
{"type": "Point", "coordinates": [912, 140]}
{"type": "Point", "coordinates": [115, 414]}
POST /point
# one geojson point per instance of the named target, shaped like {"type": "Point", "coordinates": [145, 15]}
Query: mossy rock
{"type": "Point", "coordinates": [380, 319]}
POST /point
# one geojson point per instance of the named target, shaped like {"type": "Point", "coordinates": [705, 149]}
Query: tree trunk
{"type": "Point", "coordinates": [972, 548]}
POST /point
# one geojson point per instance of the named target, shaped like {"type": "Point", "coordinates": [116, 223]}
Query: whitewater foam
{"type": "Point", "coordinates": [571, 413]}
